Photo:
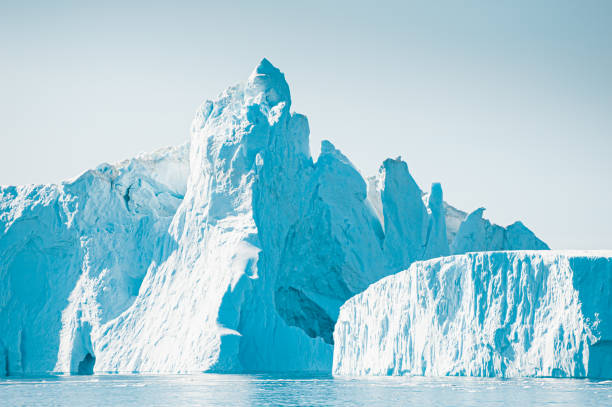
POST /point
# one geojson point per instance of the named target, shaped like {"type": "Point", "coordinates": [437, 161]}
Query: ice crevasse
{"type": "Point", "coordinates": [502, 314]}
{"type": "Point", "coordinates": [232, 252]}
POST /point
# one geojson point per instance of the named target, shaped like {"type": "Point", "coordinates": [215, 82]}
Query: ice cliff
{"type": "Point", "coordinates": [507, 314]}
{"type": "Point", "coordinates": [231, 253]}
{"type": "Point", "coordinates": [75, 253]}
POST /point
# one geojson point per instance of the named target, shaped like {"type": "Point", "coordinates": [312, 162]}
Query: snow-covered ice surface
{"type": "Point", "coordinates": [233, 252]}
{"type": "Point", "coordinates": [504, 314]}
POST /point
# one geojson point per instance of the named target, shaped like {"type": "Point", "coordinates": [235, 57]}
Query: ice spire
{"type": "Point", "coordinates": [267, 86]}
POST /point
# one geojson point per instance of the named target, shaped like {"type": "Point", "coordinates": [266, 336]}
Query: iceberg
{"type": "Point", "coordinates": [502, 314]}
{"type": "Point", "coordinates": [230, 253]}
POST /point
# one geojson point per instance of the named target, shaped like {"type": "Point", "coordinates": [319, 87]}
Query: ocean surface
{"type": "Point", "coordinates": [268, 390]}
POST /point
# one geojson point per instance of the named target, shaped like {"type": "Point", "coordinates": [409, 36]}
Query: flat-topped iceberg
{"type": "Point", "coordinates": [505, 314]}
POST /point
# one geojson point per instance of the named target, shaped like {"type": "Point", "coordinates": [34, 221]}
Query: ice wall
{"type": "Point", "coordinates": [504, 314]}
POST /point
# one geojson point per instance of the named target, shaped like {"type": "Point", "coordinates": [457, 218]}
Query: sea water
{"type": "Point", "coordinates": [292, 390]}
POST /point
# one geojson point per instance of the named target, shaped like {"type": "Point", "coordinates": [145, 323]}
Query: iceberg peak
{"type": "Point", "coordinates": [264, 67]}
{"type": "Point", "coordinates": [267, 85]}
{"type": "Point", "coordinates": [327, 147]}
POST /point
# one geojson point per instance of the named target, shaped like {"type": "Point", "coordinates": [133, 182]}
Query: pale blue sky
{"type": "Point", "coordinates": [508, 104]}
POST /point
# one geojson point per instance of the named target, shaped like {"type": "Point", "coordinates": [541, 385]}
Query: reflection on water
{"type": "Point", "coordinates": [299, 390]}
